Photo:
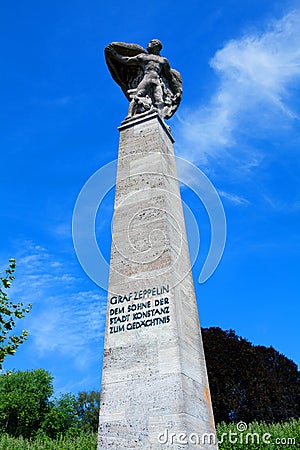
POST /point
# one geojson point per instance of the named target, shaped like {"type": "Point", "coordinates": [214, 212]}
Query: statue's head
{"type": "Point", "coordinates": [154, 46]}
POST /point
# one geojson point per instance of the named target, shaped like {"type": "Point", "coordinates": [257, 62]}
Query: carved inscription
{"type": "Point", "coordinates": [139, 309]}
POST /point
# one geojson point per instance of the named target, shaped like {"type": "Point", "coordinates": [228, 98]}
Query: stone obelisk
{"type": "Point", "coordinates": [155, 392]}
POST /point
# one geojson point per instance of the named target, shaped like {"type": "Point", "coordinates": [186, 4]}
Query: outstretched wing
{"type": "Point", "coordinates": [172, 86]}
{"type": "Point", "coordinates": [126, 76]}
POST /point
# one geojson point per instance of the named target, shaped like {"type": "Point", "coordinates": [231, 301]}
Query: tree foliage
{"type": "Point", "coordinates": [61, 417]}
{"type": "Point", "coordinates": [87, 406]}
{"type": "Point", "coordinates": [249, 382]}
{"type": "Point", "coordinates": [9, 312]}
{"type": "Point", "coordinates": [27, 408]}
{"type": "Point", "coordinates": [24, 401]}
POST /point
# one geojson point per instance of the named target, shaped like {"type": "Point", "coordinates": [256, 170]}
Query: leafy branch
{"type": "Point", "coordinates": [9, 313]}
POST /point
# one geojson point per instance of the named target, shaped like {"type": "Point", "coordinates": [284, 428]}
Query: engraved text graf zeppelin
{"type": "Point", "coordinates": [143, 308]}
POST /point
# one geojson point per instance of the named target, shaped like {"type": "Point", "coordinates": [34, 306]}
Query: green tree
{"type": "Point", "coordinates": [24, 401]}
{"type": "Point", "coordinates": [249, 382]}
{"type": "Point", "coordinates": [9, 312]}
{"type": "Point", "coordinates": [87, 405]}
{"type": "Point", "coordinates": [61, 417]}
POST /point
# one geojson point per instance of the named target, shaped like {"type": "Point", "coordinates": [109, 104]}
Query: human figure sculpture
{"type": "Point", "coordinates": [145, 77]}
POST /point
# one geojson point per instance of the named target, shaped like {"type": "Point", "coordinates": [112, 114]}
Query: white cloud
{"type": "Point", "coordinates": [281, 205]}
{"type": "Point", "coordinates": [234, 198]}
{"type": "Point", "coordinates": [66, 318]}
{"type": "Point", "coordinates": [257, 74]}
{"type": "Point", "coordinates": [63, 230]}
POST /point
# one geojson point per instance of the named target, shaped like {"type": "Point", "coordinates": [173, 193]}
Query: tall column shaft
{"type": "Point", "coordinates": [154, 382]}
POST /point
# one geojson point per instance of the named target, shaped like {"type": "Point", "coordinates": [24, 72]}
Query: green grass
{"type": "Point", "coordinates": [260, 436]}
{"type": "Point", "coordinates": [81, 442]}
{"type": "Point", "coordinates": [276, 437]}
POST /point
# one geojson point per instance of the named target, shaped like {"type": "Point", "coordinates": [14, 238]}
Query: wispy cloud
{"type": "Point", "coordinates": [282, 206]}
{"type": "Point", "coordinates": [236, 199]}
{"type": "Point", "coordinates": [59, 102]}
{"type": "Point", "coordinates": [66, 318]}
{"type": "Point", "coordinates": [256, 76]}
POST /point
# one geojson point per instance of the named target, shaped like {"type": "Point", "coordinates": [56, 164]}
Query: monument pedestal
{"type": "Point", "coordinates": [155, 392]}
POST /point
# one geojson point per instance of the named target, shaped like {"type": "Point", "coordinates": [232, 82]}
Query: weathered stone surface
{"type": "Point", "coordinates": [154, 373]}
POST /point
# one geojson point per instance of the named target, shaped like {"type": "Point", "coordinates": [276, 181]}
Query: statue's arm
{"type": "Point", "coordinates": [124, 59]}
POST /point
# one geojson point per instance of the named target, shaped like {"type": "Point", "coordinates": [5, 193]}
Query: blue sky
{"type": "Point", "coordinates": [238, 122]}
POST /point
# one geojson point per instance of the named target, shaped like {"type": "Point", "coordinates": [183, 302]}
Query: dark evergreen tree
{"type": "Point", "coordinates": [87, 406]}
{"type": "Point", "coordinates": [249, 382]}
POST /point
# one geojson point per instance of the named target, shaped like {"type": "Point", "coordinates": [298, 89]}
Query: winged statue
{"type": "Point", "coordinates": [145, 77]}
